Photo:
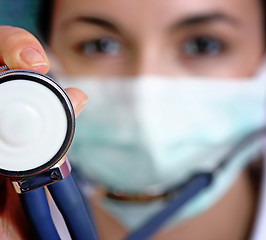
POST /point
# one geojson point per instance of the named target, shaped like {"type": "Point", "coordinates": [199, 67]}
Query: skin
{"type": "Point", "coordinates": [154, 41]}
{"type": "Point", "coordinates": [148, 44]}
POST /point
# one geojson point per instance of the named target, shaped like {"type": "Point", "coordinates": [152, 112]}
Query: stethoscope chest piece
{"type": "Point", "coordinates": [36, 123]}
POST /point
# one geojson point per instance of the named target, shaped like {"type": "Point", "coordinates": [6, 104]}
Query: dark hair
{"type": "Point", "coordinates": [264, 16]}
{"type": "Point", "coordinates": [45, 19]}
{"type": "Point", "coordinates": [46, 12]}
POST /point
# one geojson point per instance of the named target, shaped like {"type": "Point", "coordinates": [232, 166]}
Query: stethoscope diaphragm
{"type": "Point", "coordinates": [36, 123]}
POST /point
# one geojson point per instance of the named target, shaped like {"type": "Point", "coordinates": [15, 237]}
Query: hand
{"type": "Point", "coordinates": [20, 49]}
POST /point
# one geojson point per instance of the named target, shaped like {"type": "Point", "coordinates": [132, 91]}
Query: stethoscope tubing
{"type": "Point", "coordinates": [71, 206]}
{"type": "Point", "coordinates": [196, 185]}
{"type": "Point", "coordinates": [36, 207]}
{"type": "Point", "coordinates": [193, 187]}
{"type": "Point", "coordinates": [70, 203]}
{"type": "Point", "coordinates": [80, 226]}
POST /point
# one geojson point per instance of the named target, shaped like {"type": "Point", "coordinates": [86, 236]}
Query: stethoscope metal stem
{"type": "Point", "coordinates": [52, 175]}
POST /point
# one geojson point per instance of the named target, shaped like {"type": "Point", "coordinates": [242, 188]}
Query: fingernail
{"type": "Point", "coordinates": [80, 107]}
{"type": "Point", "coordinates": [32, 57]}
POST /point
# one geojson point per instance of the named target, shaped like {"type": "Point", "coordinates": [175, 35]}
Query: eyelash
{"type": "Point", "coordinates": [202, 46]}
{"type": "Point", "coordinates": [193, 47]}
{"type": "Point", "coordinates": [101, 46]}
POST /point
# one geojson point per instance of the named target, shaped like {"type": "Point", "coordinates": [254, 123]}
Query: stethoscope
{"type": "Point", "coordinates": [36, 128]}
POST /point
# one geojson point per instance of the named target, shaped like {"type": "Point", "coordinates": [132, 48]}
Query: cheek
{"type": "Point", "coordinates": [241, 65]}
{"type": "Point", "coordinates": [72, 64]}
{"type": "Point", "coordinates": [245, 60]}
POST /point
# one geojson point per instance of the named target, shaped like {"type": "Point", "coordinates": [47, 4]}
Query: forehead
{"type": "Point", "coordinates": [143, 12]}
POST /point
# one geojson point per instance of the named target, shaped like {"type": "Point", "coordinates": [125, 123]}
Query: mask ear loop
{"type": "Point", "coordinates": [189, 190]}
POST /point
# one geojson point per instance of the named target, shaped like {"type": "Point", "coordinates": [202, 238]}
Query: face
{"type": "Point", "coordinates": [221, 38]}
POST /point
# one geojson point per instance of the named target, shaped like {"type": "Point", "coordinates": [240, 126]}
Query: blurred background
{"type": "Point", "coordinates": [19, 13]}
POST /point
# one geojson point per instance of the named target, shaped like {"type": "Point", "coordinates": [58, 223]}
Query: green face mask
{"type": "Point", "coordinates": [152, 132]}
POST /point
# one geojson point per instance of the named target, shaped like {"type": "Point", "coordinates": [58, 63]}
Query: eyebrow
{"type": "Point", "coordinates": [205, 19]}
{"type": "Point", "coordinates": [190, 21]}
{"type": "Point", "coordinates": [95, 21]}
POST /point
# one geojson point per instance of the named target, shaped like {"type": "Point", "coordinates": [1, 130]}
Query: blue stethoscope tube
{"type": "Point", "coordinates": [196, 185]}
{"type": "Point", "coordinates": [71, 206]}
{"type": "Point", "coordinates": [190, 189]}
{"type": "Point", "coordinates": [36, 207]}
{"type": "Point", "coordinates": [80, 226]}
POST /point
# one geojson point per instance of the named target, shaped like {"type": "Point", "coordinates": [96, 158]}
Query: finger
{"type": "Point", "coordinates": [78, 99]}
{"type": "Point", "coordinates": [2, 193]}
{"type": "Point", "coordinates": [20, 49]}
{"type": "Point", "coordinates": [13, 223]}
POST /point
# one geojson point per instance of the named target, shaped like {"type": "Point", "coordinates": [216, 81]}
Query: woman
{"type": "Point", "coordinates": [137, 38]}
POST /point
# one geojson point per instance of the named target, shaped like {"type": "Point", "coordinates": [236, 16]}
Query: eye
{"type": "Point", "coordinates": [107, 46]}
{"type": "Point", "coordinates": [202, 46]}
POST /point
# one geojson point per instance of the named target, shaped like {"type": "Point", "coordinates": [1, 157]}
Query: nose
{"type": "Point", "coordinates": [155, 60]}
{"type": "Point", "coordinates": [147, 60]}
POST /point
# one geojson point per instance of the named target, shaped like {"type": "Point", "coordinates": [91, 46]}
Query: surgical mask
{"type": "Point", "coordinates": [148, 133]}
